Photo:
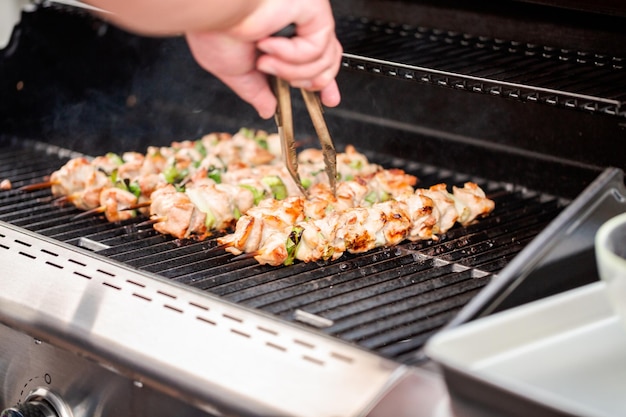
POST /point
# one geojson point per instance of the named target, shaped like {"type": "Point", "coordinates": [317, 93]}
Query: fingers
{"type": "Point", "coordinates": [330, 95]}
{"type": "Point", "coordinates": [254, 89]}
{"type": "Point", "coordinates": [305, 67]}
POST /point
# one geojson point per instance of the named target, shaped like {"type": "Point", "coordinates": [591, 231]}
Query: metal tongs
{"type": "Point", "coordinates": [284, 121]}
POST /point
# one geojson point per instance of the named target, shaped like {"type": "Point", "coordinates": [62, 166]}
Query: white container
{"type": "Point", "coordinates": [610, 248]}
{"type": "Point", "coordinates": [560, 356]}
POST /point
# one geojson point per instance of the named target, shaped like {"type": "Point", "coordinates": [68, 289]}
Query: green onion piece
{"type": "Point", "coordinates": [257, 194]}
{"type": "Point", "coordinates": [262, 142]}
{"type": "Point", "coordinates": [114, 176]}
{"type": "Point", "coordinates": [170, 174]}
{"type": "Point", "coordinates": [279, 190]}
{"type": "Point", "coordinates": [349, 177]}
{"type": "Point", "coordinates": [115, 158]}
{"type": "Point", "coordinates": [358, 164]}
{"type": "Point", "coordinates": [199, 146]}
{"type": "Point", "coordinates": [261, 139]}
{"type": "Point", "coordinates": [134, 188]}
{"type": "Point", "coordinates": [173, 175]}
{"type": "Point", "coordinates": [215, 174]}
{"type": "Point", "coordinates": [209, 220]}
{"type": "Point", "coordinates": [306, 183]}
{"type": "Point", "coordinates": [371, 198]}
{"type": "Point", "coordinates": [291, 244]}
{"type": "Point", "coordinates": [236, 213]}
{"type": "Point", "coordinates": [385, 196]}
{"type": "Point", "coordinates": [249, 133]}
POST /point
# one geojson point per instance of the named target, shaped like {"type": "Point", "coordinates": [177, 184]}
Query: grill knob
{"type": "Point", "coordinates": [33, 408]}
{"type": "Point", "coordinates": [39, 403]}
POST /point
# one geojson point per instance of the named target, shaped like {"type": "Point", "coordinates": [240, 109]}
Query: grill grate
{"type": "Point", "coordinates": [390, 300]}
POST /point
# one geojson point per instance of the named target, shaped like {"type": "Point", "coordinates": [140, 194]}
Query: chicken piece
{"type": "Point", "coordinates": [244, 148]}
{"type": "Point", "coordinates": [73, 176]}
{"type": "Point", "coordinates": [107, 163]}
{"type": "Point", "coordinates": [149, 183]}
{"type": "Point", "coordinates": [286, 212]}
{"type": "Point", "coordinates": [445, 208]}
{"type": "Point", "coordinates": [175, 214]}
{"type": "Point", "coordinates": [421, 211]}
{"type": "Point", "coordinates": [350, 164]}
{"type": "Point", "coordinates": [222, 204]}
{"type": "Point", "coordinates": [154, 161]}
{"type": "Point", "coordinates": [88, 197]}
{"type": "Point", "coordinates": [5, 184]}
{"type": "Point", "coordinates": [362, 229]}
{"type": "Point", "coordinates": [273, 251]}
{"type": "Point", "coordinates": [316, 239]}
{"type": "Point", "coordinates": [253, 147]}
{"type": "Point", "coordinates": [254, 231]}
{"type": "Point", "coordinates": [351, 193]}
{"type": "Point", "coordinates": [275, 146]}
{"type": "Point", "coordinates": [390, 183]}
{"type": "Point", "coordinates": [320, 202]}
{"type": "Point", "coordinates": [132, 166]}
{"type": "Point", "coordinates": [471, 202]}
{"type": "Point", "coordinates": [114, 200]}
{"type": "Point", "coordinates": [246, 238]}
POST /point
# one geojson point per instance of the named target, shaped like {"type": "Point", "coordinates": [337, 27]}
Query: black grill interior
{"type": "Point", "coordinates": [388, 300]}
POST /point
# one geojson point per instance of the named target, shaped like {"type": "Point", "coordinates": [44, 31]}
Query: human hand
{"type": "Point", "coordinates": [310, 60]}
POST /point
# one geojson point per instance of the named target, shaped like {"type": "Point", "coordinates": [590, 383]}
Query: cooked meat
{"type": "Point", "coordinates": [327, 234]}
{"type": "Point", "coordinates": [175, 214]}
{"type": "Point", "coordinates": [223, 181]}
{"type": "Point", "coordinates": [115, 201]}
{"type": "Point", "coordinates": [471, 202]}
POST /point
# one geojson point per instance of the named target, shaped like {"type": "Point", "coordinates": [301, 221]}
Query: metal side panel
{"type": "Point", "coordinates": [222, 358]}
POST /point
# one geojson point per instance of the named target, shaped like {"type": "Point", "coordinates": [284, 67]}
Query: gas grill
{"type": "Point", "coordinates": [115, 319]}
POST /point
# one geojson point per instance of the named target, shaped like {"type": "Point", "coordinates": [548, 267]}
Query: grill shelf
{"type": "Point", "coordinates": [522, 71]}
{"type": "Point", "coordinates": [389, 301]}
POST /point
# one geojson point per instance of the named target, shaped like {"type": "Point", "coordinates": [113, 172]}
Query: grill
{"type": "Point", "coordinates": [388, 300]}
{"type": "Point", "coordinates": [534, 119]}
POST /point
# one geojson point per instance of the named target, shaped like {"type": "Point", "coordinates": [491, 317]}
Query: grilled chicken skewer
{"type": "Point", "coordinates": [208, 206]}
{"type": "Point", "coordinates": [81, 181]}
{"type": "Point", "coordinates": [414, 216]}
{"type": "Point", "coordinates": [220, 157]}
